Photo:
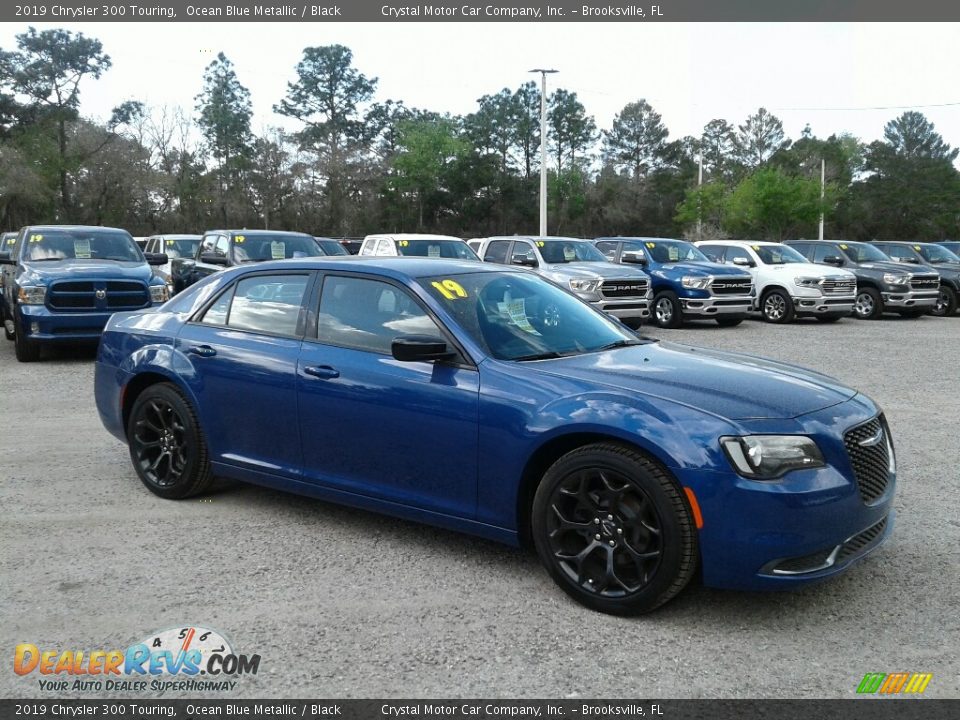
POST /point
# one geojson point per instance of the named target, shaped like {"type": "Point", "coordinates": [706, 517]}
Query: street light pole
{"type": "Point", "coordinates": [543, 147]}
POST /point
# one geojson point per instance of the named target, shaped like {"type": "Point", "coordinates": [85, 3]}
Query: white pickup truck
{"type": "Point", "coordinates": [787, 286]}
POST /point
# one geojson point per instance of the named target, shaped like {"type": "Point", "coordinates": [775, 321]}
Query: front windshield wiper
{"type": "Point", "coordinates": [552, 355]}
{"type": "Point", "coordinates": [47, 259]}
{"type": "Point", "coordinates": [619, 344]}
{"type": "Point", "coordinates": [117, 259]}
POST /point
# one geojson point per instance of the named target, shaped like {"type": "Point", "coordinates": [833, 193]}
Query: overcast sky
{"type": "Point", "coordinates": [828, 75]}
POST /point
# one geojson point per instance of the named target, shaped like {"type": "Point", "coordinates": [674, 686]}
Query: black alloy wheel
{"type": "Point", "coordinates": [166, 445]}
{"type": "Point", "coordinates": [614, 530]}
{"type": "Point", "coordinates": [946, 302]}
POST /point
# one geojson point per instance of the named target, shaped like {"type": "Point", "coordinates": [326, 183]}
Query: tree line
{"type": "Point", "coordinates": [358, 165]}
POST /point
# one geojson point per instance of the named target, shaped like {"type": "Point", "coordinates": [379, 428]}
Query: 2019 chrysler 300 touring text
{"type": "Point", "coordinates": [486, 399]}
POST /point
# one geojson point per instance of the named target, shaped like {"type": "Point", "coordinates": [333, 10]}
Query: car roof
{"type": "Point", "coordinates": [641, 238]}
{"type": "Point", "coordinates": [738, 243]}
{"type": "Point", "coordinates": [177, 236]}
{"type": "Point", "coordinates": [76, 227]}
{"type": "Point", "coordinates": [387, 265]}
{"type": "Point", "coordinates": [244, 231]}
{"type": "Point", "coordinates": [534, 237]}
{"type": "Point", "coordinates": [413, 236]}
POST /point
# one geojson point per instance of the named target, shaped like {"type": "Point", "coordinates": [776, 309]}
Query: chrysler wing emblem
{"type": "Point", "coordinates": [873, 440]}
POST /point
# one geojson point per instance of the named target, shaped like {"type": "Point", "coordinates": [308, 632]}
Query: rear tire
{"type": "Point", "coordinates": [777, 307]}
{"type": "Point", "coordinates": [946, 302]}
{"type": "Point", "coordinates": [730, 321]}
{"type": "Point", "coordinates": [166, 443]}
{"type": "Point", "coordinates": [614, 530]}
{"type": "Point", "coordinates": [869, 304]}
{"type": "Point", "coordinates": [667, 312]}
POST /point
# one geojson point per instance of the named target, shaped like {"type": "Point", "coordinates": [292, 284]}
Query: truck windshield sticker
{"type": "Point", "coordinates": [278, 250]}
{"type": "Point", "coordinates": [517, 312]}
{"type": "Point", "coordinates": [917, 248]}
{"type": "Point", "coordinates": [36, 238]}
{"type": "Point", "coordinates": [755, 247]}
{"type": "Point", "coordinates": [651, 245]}
{"type": "Point", "coordinates": [450, 289]}
{"type": "Point", "coordinates": [239, 238]}
{"type": "Point", "coordinates": [81, 248]}
{"type": "Point", "coordinates": [541, 243]}
{"type": "Point", "coordinates": [674, 253]}
{"type": "Point", "coordinates": [403, 243]}
{"type": "Point", "coordinates": [569, 254]}
{"type": "Point", "coordinates": [171, 243]}
{"type": "Point", "coordinates": [11, 241]}
{"type": "Point", "coordinates": [433, 251]}
{"type": "Point", "coordinates": [842, 246]}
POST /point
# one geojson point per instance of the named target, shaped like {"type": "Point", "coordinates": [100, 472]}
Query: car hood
{"type": "Point", "coordinates": [949, 269]}
{"type": "Point", "coordinates": [887, 267]}
{"type": "Point", "coordinates": [48, 271]}
{"type": "Point", "coordinates": [593, 270]}
{"type": "Point", "coordinates": [798, 269]}
{"type": "Point", "coordinates": [700, 269]}
{"type": "Point", "coordinates": [726, 384]}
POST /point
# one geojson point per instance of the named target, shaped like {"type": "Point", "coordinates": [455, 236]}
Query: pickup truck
{"type": "Point", "coordinates": [63, 282]}
{"type": "Point", "coordinates": [576, 265]}
{"type": "Point", "coordinates": [882, 285]}
{"type": "Point", "coordinates": [787, 285]}
{"type": "Point", "coordinates": [686, 285]}
{"type": "Point", "coordinates": [930, 256]}
{"type": "Point", "coordinates": [221, 249]}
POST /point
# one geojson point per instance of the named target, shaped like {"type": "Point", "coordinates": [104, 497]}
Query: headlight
{"type": "Point", "coordinates": [31, 294]}
{"type": "Point", "coordinates": [767, 457]}
{"type": "Point", "coordinates": [584, 285]}
{"type": "Point", "coordinates": [159, 294]}
{"type": "Point", "coordinates": [696, 283]}
{"type": "Point", "coordinates": [807, 282]}
{"type": "Point", "coordinates": [892, 279]}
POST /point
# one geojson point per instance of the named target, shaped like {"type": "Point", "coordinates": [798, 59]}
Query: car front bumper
{"type": "Point", "coordinates": [717, 305]}
{"type": "Point", "coordinates": [910, 299]}
{"type": "Point", "coordinates": [625, 308]}
{"type": "Point", "coordinates": [39, 323]}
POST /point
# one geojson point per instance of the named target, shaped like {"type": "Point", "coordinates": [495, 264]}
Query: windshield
{"type": "Point", "coordinates": [567, 251]}
{"type": "Point", "coordinates": [436, 248]}
{"type": "Point", "coordinates": [862, 252]}
{"type": "Point", "coordinates": [936, 254]}
{"type": "Point", "coordinates": [516, 316]}
{"type": "Point", "coordinates": [81, 244]}
{"type": "Point", "coordinates": [331, 247]}
{"type": "Point", "coordinates": [180, 247]}
{"type": "Point", "coordinates": [260, 247]}
{"type": "Point", "coordinates": [672, 251]}
{"type": "Point", "coordinates": [777, 254]}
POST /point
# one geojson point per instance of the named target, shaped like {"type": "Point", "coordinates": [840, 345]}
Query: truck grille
{"type": "Point", "coordinates": [630, 287]}
{"type": "Point", "coordinates": [732, 286]}
{"type": "Point", "coordinates": [924, 282]}
{"type": "Point", "coordinates": [82, 295]}
{"type": "Point", "coordinates": [869, 448]}
{"type": "Point", "coordinates": [837, 286]}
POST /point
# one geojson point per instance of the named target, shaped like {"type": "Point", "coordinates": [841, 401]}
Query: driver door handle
{"type": "Point", "coordinates": [201, 350]}
{"type": "Point", "coordinates": [324, 372]}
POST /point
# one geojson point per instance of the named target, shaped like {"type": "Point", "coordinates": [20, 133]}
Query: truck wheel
{"type": "Point", "coordinates": [730, 321]}
{"type": "Point", "coordinates": [25, 350]}
{"type": "Point", "coordinates": [167, 446]}
{"type": "Point", "coordinates": [614, 530]}
{"type": "Point", "coordinates": [869, 304]}
{"type": "Point", "coordinates": [832, 318]}
{"type": "Point", "coordinates": [776, 307]}
{"type": "Point", "coordinates": [666, 310]}
{"type": "Point", "coordinates": [946, 302]}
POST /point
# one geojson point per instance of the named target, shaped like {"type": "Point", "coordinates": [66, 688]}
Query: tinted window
{"type": "Point", "coordinates": [80, 244]}
{"type": "Point", "coordinates": [671, 251]}
{"type": "Point", "coordinates": [209, 244]}
{"type": "Point", "coordinates": [260, 247]}
{"type": "Point", "coordinates": [565, 251]}
{"type": "Point", "coordinates": [267, 304]}
{"type": "Point", "coordinates": [898, 252]}
{"type": "Point", "coordinates": [497, 251]}
{"type": "Point", "coordinates": [523, 250]}
{"type": "Point", "coordinates": [713, 252]}
{"type": "Point", "coordinates": [802, 248]}
{"type": "Point", "coordinates": [734, 252]}
{"type": "Point", "coordinates": [609, 249]}
{"type": "Point", "coordinates": [777, 254]}
{"type": "Point", "coordinates": [436, 248]}
{"type": "Point", "coordinates": [368, 314]}
{"type": "Point", "coordinates": [862, 252]}
{"type": "Point", "coordinates": [937, 254]}
{"type": "Point", "coordinates": [176, 247]}
{"type": "Point", "coordinates": [824, 251]}
{"type": "Point", "coordinates": [331, 247]}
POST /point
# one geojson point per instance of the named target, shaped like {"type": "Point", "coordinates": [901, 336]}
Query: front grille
{"type": "Point", "coordinates": [862, 542]}
{"type": "Point", "coordinates": [924, 282]}
{"type": "Point", "coordinates": [871, 462]}
{"type": "Point", "coordinates": [732, 286]}
{"type": "Point", "coordinates": [82, 295]}
{"type": "Point", "coordinates": [836, 286]}
{"type": "Point", "coordinates": [631, 287]}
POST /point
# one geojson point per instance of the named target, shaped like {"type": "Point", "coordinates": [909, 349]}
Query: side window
{"type": "Point", "coordinates": [216, 314]}
{"type": "Point", "coordinates": [713, 252]}
{"type": "Point", "coordinates": [263, 303]}
{"type": "Point", "coordinates": [497, 251]}
{"type": "Point", "coordinates": [609, 249]}
{"type": "Point", "coordinates": [735, 252]}
{"type": "Point", "coordinates": [802, 248]}
{"type": "Point", "coordinates": [897, 253]}
{"type": "Point", "coordinates": [208, 244]}
{"type": "Point", "coordinates": [385, 247]}
{"type": "Point", "coordinates": [222, 246]}
{"type": "Point", "coordinates": [523, 249]}
{"type": "Point", "coordinates": [368, 314]}
{"type": "Point", "coordinates": [824, 251]}
{"type": "Point", "coordinates": [367, 247]}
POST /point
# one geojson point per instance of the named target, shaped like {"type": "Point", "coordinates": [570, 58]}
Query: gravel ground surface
{"type": "Point", "coordinates": [343, 603]}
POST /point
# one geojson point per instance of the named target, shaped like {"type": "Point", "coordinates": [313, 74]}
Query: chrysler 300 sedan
{"type": "Point", "coordinates": [488, 400]}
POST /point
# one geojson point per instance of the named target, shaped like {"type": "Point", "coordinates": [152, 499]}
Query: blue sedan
{"type": "Point", "coordinates": [485, 399]}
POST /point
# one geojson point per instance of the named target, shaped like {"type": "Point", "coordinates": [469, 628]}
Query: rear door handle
{"type": "Point", "coordinates": [201, 350]}
{"type": "Point", "coordinates": [324, 372]}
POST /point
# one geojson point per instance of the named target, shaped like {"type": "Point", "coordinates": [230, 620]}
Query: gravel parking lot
{"type": "Point", "coordinates": [344, 603]}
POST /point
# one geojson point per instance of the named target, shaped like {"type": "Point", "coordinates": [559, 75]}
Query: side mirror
{"type": "Point", "coordinates": [5, 258]}
{"type": "Point", "coordinates": [833, 260]}
{"type": "Point", "coordinates": [912, 260]}
{"type": "Point", "coordinates": [157, 258]}
{"type": "Point", "coordinates": [525, 260]}
{"type": "Point", "coordinates": [420, 348]}
{"type": "Point", "coordinates": [637, 258]}
{"type": "Point", "coordinates": [213, 259]}
{"type": "Point", "coordinates": [743, 262]}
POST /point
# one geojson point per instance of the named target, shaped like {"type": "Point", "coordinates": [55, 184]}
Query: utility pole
{"type": "Point", "coordinates": [543, 147]}
{"type": "Point", "coordinates": [700, 198]}
{"type": "Point", "coordinates": [823, 175]}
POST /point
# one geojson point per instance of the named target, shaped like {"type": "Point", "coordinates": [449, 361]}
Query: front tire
{"type": "Point", "coordinates": [614, 530]}
{"type": "Point", "coordinates": [946, 302]}
{"type": "Point", "coordinates": [777, 307]}
{"type": "Point", "coordinates": [869, 304]}
{"type": "Point", "coordinates": [25, 349]}
{"type": "Point", "coordinates": [667, 312]}
{"type": "Point", "coordinates": [166, 444]}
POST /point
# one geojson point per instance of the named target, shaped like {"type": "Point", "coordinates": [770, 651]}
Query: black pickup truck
{"type": "Point", "coordinates": [221, 249]}
{"type": "Point", "coordinates": [882, 284]}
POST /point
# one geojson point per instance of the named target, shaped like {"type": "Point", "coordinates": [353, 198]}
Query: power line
{"type": "Point", "coordinates": [876, 107]}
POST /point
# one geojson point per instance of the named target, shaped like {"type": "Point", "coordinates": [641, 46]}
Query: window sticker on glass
{"type": "Point", "coordinates": [11, 241]}
{"type": "Point", "coordinates": [36, 238]}
{"type": "Point", "coordinates": [651, 245]}
{"type": "Point", "coordinates": [917, 248]}
{"type": "Point", "coordinates": [842, 246]}
{"type": "Point", "coordinates": [239, 238]}
{"type": "Point", "coordinates": [517, 312]}
{"type": "Point", "coordinates": [433, 251]}
{"type": "Point", "coordinates": [81, 249]}
{"type": "Point", "coordinates": [569, 254]}
{"type": "Point", "coordinates": [541, 243]}
{"type": "Point", "coordinates": [278, 250]}
{"type": "Point", "coordinates": [403, 243]}
{"type": "Point", "coordinates": [673, 252]}
{"type": "Point", "coordinates": [755, 247]}
{"type": "Point", "coordinates": [450, 289]}
{"type": "Point", "coordinates": [170, 243]}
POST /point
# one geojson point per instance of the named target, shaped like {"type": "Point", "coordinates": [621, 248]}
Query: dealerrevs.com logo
{"type": "Point", "coordinates": [186, 659]}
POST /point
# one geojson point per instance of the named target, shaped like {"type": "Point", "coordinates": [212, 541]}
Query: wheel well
{"type": "Point", "coordinates": [770, 288]}
{"type": "Point", "coordinates": [132, 390]}
{"type": "Point", "coordinates": [540, 462]}
{"type": "Point", "coordinates": [868, 284]}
